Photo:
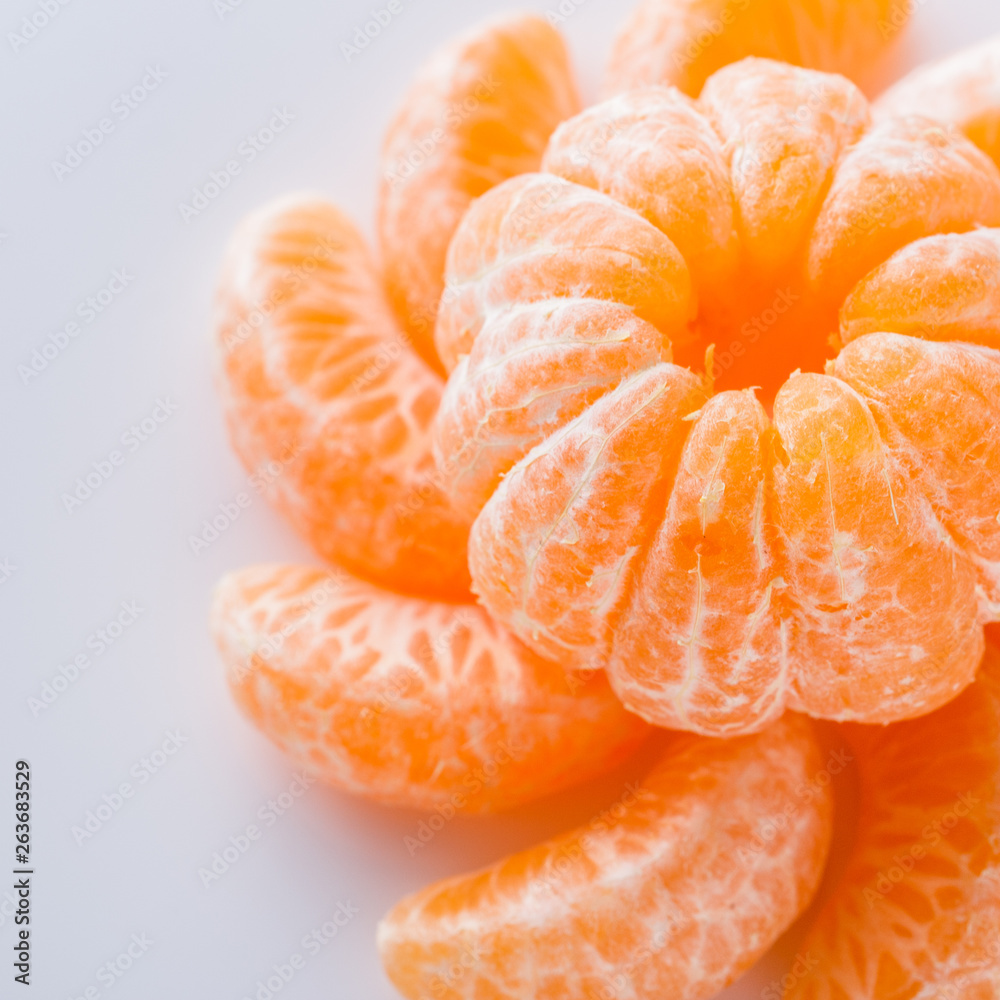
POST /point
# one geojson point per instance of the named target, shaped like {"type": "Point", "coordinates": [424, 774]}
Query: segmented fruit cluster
{"type": "Point", "coordinates": [569, 391]}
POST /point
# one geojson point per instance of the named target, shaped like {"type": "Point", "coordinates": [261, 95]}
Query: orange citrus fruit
{"type": "Point", "coordinates": [478, 112]}
{"type": "Point", "coordinates": [917, 912]}
{"type": "Point", "coordinates": [962, 90]}
{"type": "Point", "coordinates": [320, 385]}
{"type": "Point", "coordinates": [683, 42]}
{"type": "Point", "coordinates": [727, 557]}
{"type": "Point", "coordinates": [411, 702]}
{"type": "Point", "coordinates": [665, 894]}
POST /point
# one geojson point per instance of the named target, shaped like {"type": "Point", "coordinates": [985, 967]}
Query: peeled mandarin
{"type": "Point", "coordinates": [480, 111]}
{"type": "Point", "coordinates": [414, 703]}
{"type": "Point", "coordinates": [722, 563]}
{"type": "Point", "coordinates": [318, 382]}
{"type": "Point", "coordinates": [662, 895]}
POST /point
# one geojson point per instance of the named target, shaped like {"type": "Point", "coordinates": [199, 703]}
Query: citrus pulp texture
{"type": "Point", "coordinates": [417, 703]}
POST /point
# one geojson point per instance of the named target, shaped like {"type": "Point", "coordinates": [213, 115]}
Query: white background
{"type": "Point", "coordinates": [61, 239]}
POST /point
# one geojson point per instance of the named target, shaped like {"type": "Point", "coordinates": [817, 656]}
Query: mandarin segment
{"type": "Point", "coordinates": [683, 42]}
{"type": "Point", "coordinates": [657, 897]}
{"type": "Point", "coordinates": [962, 90]}
{"type": "Point", "coordinates": [938, 409]}
{"type": "Point", "coordinates": [940, 288]}
{"type": "Point", "coordinates": [650, 149]}
{"type": "Point", "coordinates": [410, 702]}
{"type": "Point", "coordinates": [886, 615]}
{"type": "Point", "coordinates": [316, 377]}
{"type": "Point", "coordinates": [480, 111]}
{"type": "Point", "coordinates": [552, 550]}
{"type": "Point", "coordinates": [494, 411]}
{"type": "Point", "coordinates": [784, 130]}
{"type": "Point", "coordinates": [917, 911]}
{"type": "Point", "coordinates": [905, 179]}
{"type": "Point", "coordinates": [699, 646]}
{"type": "Point", "coordinates": [538, 238]}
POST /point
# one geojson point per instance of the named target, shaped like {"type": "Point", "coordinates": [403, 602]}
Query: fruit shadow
{"type": "Point", "coordinates": [413, 848]}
